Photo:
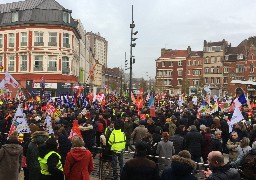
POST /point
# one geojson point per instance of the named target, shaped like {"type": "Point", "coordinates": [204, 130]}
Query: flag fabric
{"type": "Point", "coordinates": [151, 101]}
{"type": "Point", "coordinates": [48, 125]}
{"type": "Point", "coordinates": [75, 131]}
{"type": "Point", "coordinates": [22, 126]}
{"type": "Point", "coordinates": [239, 101]}
{"type": "Point", "coordinates": [152, 111]}
{"type": "Point", "coordinates": [10, 80]}
{"type": "Point", "coordinates": [237, 116]}
{"type": "Point", "coordinates": [18, 113]}
{"type": "Point", "coordinates": [194, 99]}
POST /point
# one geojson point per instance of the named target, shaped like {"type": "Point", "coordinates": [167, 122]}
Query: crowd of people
{"type": "Point", "coordinates": [168, 145]}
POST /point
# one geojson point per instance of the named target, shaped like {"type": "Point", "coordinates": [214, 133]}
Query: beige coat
{"type": "Point", "coordinates": [233, 150]}
{"type": "Point", "coordinates": [139, 133]}
{"type": "Point", "coordinates": [10, 161]}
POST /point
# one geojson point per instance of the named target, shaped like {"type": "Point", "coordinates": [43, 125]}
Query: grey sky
{"type": "Point", "coordinates": [173, 24]}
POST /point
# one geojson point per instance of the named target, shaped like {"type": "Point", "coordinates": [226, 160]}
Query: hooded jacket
{"type": "Point", "coordinates": [10, 161]}
{"type": "Point", "coordinates": [180, 169]}
{"type": "Point", "coordinates": [38, 138]}
{"type": "Point", "coordinates": [79, 164]}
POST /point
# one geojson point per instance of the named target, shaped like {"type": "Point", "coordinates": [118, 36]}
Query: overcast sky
{"type": "Point", "coordinates": [172, 24]}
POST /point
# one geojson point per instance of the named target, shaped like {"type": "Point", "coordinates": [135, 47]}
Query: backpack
{"type": "Point", "coordinates": [249, 164]}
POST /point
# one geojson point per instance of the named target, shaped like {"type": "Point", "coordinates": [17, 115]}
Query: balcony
{"type": "Point", "coordinates": [66, 45]}
{"type": "Point", "coordinates": [23, 44]}
{"type": "Point", "coordinates": [38, 43]}
{"type": "Point", "coordinates": [52, 69]}
{"type": "Point", "coordinates": [65, 70]}
{"type": "Point", "coordinates": [52, 43]}
{"type": "Point", "coordinates": [10, 68]}
{"type": "Point", "coordinates": [38, 68]}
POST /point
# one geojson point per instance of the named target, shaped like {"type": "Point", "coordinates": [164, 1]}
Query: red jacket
{"type": "Point", "coordinates": [79, 164]}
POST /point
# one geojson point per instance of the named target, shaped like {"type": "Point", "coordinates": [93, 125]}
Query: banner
{"type": "Point", "coordinates": [48, 124]}
{"type": "Point", "coordinates": [22, 126]}
{"type": "Point", "coordinates": [10, 80]}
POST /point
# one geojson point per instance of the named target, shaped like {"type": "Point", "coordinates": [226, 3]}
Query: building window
{"type": "Point", "coordinates": [52, 66]}
{"type": "Point", "coordinates": [218, 59]}
{"type": "Point", "coordinates": [225, 80]}
{"type": "Point", "coordinates": [15, 16]}
{"type": "Point", "coordinates": [212, 80]}
{"type": "Point", "coordinates": [179, 72]}
{"type": "Point", "coordinates": [239, 68]}
{"type": "Point", "coordinates": [11, 39]}
{"type": "Point", "coordinates": [24, 39]}
{"type": "Point", "coordinates": [52, 39]}
{"type": "Point", "coordinates": [189, 72]}
{"type": "Point", "coordinates": [239, 57]}
{"type": "Point", "coordinates": [194, 62]}
{"type": "Point", "coordinates": [206, 70]}
{"type": "Point", "coordinates": [66, 17]}
{"type": "Point", "coordinates": [225, 69]}
{"type": "Point", "coordinates": [199, 62]}
{"type": "Point", "coordinates": [179, 82]}
{"type": "Point", "coordinates": [226, 57]}
{"type": "Point", "coordinates": [11, 64]}
{"type": "Point", "coordinates": [218, 70]}
{"type": "Point", "coordinates": [171, 63]}
{"type": "Point", "coordinates": [1, 61]}
{"type": "Point", "coordinates": [212, 59]}
{"type": "Point", "coordinates": [24, 63]}
{"type": "Point", "coordinates": [251, 68]}
{"type": "Point", "coordinates": [206, 80]}
{"type": "Point", "coordinates": [212, 69]}
{"type": "Point", "coordinates": [206, 60]}
{"type": "Point", "coordinates": [39, 39]}
{"type": "Point", "coordinates": [218, 48]}
{"type": "Point", "coordinates": [217, 80]}
{"type": "Point", "coordinates": [65, 65]}
{"type": "Point", "coordinates": [163, 64]}
{"type": "Point", "coordinates": [66, 40]}
{"type": "Point", "coordinates": [38, 63]}
{"type": "Point", "coordinates": [1, 40]}
{"type": "Point", "coordinates": [179, 63]}
{"type": "Point", "coordinates": [189, 62]}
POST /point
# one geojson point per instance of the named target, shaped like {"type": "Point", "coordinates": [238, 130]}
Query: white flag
{"type": "Point", "coordinates": [237, 116]}
{"type": "Point", "coordinates": [18, 113]}
{"type": "Point", "coordinates": [10, 80]}
{"type": "Point", "coordinates": [2, 84]}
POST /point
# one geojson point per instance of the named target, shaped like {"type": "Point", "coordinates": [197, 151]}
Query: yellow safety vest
{"type": "Point", "coordinates": [43, 163]}
{"type": "Point", "coordinates": [117, 140]}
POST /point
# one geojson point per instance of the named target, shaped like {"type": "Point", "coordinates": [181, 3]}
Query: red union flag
{"type": "Point", "coordinates": [10, 80]}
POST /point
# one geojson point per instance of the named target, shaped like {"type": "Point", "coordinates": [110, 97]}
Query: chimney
{"type": "Point", "coordinates": [205, 43]}
{"type": "Point", "coordinates": [189, 50]}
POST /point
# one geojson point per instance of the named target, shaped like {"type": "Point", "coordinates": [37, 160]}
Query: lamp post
{"type": "Point", "coordinates": [132, 60]}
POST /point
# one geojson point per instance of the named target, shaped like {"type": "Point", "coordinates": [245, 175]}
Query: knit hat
{"type": "Point", "coordinates": [185, 154]}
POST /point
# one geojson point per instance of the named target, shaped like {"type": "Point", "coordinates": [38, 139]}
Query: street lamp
{"type": "Point", "coordinates": [132, 60]}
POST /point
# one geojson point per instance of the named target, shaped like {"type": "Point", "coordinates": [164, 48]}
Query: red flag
{"type": "Point", "coordinates": [13, 128]}
{"type": "Point", "coordinates": [152, 111]}
{"type": "Point", "coordinates": [142, 116]}
{"type": "Point", "coordinates": [75, 131]}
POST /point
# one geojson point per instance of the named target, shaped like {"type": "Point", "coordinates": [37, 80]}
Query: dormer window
{"type": "Point", "coordinates": [226, 57]}
{"type": "Point", "coordinates": [240, 56]}
{"type": "Point", "coordinates": [15, 16]}
{"type": "Point", "coordinates": [66, 17]}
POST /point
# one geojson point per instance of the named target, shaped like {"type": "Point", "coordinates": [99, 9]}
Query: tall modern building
{"type": "Point", "coordinates": [39, 39]}
{"type": "Point", "coordinates": [98, 48]}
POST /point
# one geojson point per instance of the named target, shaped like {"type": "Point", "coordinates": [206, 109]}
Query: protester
{"type": "Point", "coordinates": [232, 146]}
{"type": "Point", "coordinates": [33, 166]}
{"type": "Point", "coordinates": [140, 167]}
{"type": "Point", "coordinates": [139, 132]}
{"type": "Point", "coordinates": [181, 168]}
{"type": "Point", "coordinates": [64, 144]}
{"type": "Point", "coordinates": [79, 162]}
{"type": "Point", "coordinates": [128, 128]}
{"type": "Point", "coordinates": [193, 143]}
{"type": "Point", "coordinates": [50, 161]}
{"type": "Point", "coordinates": [216, 141]}
{"type": "Point", "coordinates": [11, 158]}
{"type": "Point", "coordinates": [218, 170]}
{"type": "Point", "coordinates": [117, 141]}
{"type": "Point", "coordinates": [206, 145]}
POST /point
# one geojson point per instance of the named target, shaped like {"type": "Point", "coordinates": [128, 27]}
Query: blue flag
{"type": "Point", "coordinates": [151, 101]}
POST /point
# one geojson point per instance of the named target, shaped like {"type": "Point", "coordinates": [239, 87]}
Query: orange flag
{"type": "Point", "coordinates": [75, 131]}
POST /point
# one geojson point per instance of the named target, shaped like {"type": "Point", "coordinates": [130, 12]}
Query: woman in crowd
{"type": "Point", "coordinates": [79, 161]}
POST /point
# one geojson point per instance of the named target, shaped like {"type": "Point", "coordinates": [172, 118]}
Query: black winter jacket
{"type": "Point", "coordinates": [224, 173]}
{"type": "Point", "coordinates": [193, 143]}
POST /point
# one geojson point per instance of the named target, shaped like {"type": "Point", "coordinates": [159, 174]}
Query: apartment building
{"type": "Point", "coordinates": [39, 39]}
{"type": "Point", "coordinates": [170, 70]}
{"type": "Point", "coordinates": [213, 52]}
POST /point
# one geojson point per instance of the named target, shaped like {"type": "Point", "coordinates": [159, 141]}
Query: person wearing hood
{"type": "Point", "coordinates": [64, 144]}
{"type": "Point", "coordinates": [10, 159]}
{"type": "Point", "coordinates": [181, 168]}
{"type": "Point", "coordinates": [79, 162]}
{"type": "Point", "coordinates": [38, 138]}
